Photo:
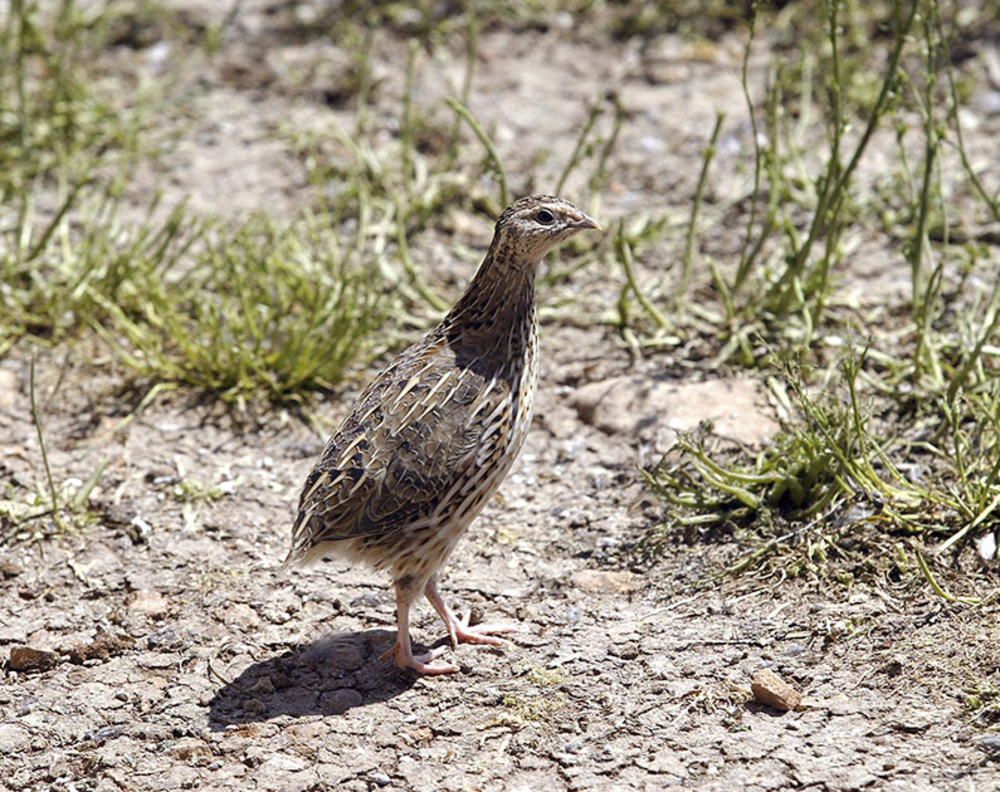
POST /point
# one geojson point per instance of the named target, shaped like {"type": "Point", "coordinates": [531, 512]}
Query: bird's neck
{"type": "Point", "coordinates": [496, 314]}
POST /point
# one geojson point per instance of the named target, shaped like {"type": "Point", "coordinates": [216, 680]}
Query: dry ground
{"type": "Point", "coordinates": [184, 661]}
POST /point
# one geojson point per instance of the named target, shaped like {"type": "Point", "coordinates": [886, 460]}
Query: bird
{"type": "Point", "coordinates": [431, 437]}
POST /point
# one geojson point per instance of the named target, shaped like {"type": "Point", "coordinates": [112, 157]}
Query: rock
{"type": "Point", "coordinates": [13, 740]}
{"type": "Point", "coordinates": [843, 705]}
{"type": "Point", "coordinates": [101, 648]}
{"type": "Point", "coordinates": [990, 745]}
{"type": "Point", "coordinates": [913, 723]}
{"type": "Point", "coordinates": [240, 614]}
{"type": "Point", "coordinates": [157, 660]}
{"type": "Point", "coordinates": [656, 409]}
{"type": "Point", "coordinates": [604, 581]}
{"type": "Point", "coordinates": [164, 640]}
{"type": "Point", "coordinates": [337, 702]}
{"type": "Point", "coordinates": [343, 652]}
{"type": "Point", "coordinates": [771, 690]}
{"type": "Point", "coordinates": [25, 659]}
{"type": "Point", "coordinates": [150, 603]}
{"type": "Point", "coordinates": [188, 749]}
{"type": "Point", "coordinates": [280, 764]}
{"type": "Point", "coordinates": [346, 655]}
{"type": "Point", "coordinates": [9, 570]}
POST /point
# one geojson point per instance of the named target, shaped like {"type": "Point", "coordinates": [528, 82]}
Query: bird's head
{"type": "Point", "coordinates": [531, 226]}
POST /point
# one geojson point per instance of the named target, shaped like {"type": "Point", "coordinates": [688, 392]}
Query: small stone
{"type": "Point", "coordinates": [25, 659]}
{"type": "Point", "coordinates": [158, 660]}
{"type": "Point", "coordinates": [163, 640]}
{"type": "Point", "coordinates": [101, 648]}
{"type": "Point", "coordinates": [843, 705]}
{"type": "Point", "coordinates": [281, 764]}
{"type": "Point", "coordinates": [341, 652]}
{"type": "Point", "coordinates": [380, 779]}
{"type": "Point", "coordinates": [913, 723]}
{"type": "Point", "coordinates": [189, 748]}
{"type": "Point", "coordinates": [240, 615]}
{"type": "Point", "coordinates": [628, 651]}
{"type": "Point", "coordinates": [13, 740]}
{"type": "Point", "coordinates": [656, 409]}
{"type": "Point", "coordinates": [771, 690]}
{"type": "Point", "coordinates": [9, 570]}
{"type": "Point", "coordinates": [337, 702]}
{"type": "Point", "coordinates": [107, 733]}
{"type": "Point", "coordinates": [150, 603]}
{"type": "Point", "coordinates": [990, 745]}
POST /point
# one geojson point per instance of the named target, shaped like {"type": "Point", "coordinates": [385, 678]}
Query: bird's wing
{"type": "Point", "coordinates": [413, 435]}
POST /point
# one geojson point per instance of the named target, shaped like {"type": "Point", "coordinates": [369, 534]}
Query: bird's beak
{"type": "Point", "coordinates": [581, 221]}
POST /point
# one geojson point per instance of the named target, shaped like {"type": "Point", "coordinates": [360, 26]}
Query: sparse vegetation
{"type": "Point", "coordinates": [883, 438]}
{"type": "Point", "coordinates": [264, 309]}
{"type": "Point", "coordinates": [274, 310]}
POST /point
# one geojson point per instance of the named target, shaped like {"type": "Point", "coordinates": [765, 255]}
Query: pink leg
{"type": "Point", "coordinates": [458, 628]}
{"type": "Point", "coordinates": [402, 651]}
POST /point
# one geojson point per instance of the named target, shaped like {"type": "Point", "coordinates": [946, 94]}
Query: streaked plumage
{"type": "Point", "coordinates": [432, 436]}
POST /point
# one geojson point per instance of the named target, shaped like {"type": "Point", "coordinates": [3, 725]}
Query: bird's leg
{"type": "Point", "coordinates": [402, 652]}
{"type": "Point", "coordinates": [458, 628]}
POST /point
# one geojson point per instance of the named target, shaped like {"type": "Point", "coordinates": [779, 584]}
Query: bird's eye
{"type": "Point", "coordinates": [545, 217]}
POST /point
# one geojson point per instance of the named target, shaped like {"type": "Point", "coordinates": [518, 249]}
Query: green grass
{"type": "Point", "coordinates": [890, 412]}
{"type": "Point", "coordinates": [266, 309]}
{"type": "Point", "coordinates": [246, 311]}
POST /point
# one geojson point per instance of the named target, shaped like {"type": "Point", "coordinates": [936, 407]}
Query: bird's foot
{"type": "Point", "coordinates": [402, 655]}
{"type": "Point", "coordinates": [460, 631]}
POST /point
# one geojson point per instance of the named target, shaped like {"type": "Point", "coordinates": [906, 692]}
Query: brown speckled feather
{"type": "Point", "coordinates": [401, 449]}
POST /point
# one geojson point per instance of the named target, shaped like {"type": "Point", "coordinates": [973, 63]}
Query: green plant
{"type": "Point", "coordinates": [267, 309]}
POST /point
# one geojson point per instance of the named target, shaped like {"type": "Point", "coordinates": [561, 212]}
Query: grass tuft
{"type": "Point", "coordinates": [894, 437]}
{"type": "Point", "coordinates": [267, 309]}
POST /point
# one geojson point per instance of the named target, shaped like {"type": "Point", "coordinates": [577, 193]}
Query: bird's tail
{"type": "Point", "coordinates": [289, 561]}
{"type": "Point", "coordinates": [299, 544]}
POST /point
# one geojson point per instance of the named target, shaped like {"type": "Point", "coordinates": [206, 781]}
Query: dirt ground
{"type": "Point", "coordinates": [181, 658]}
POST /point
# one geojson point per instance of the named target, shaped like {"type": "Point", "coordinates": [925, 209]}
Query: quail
{"type": "Point", "coordinates": [433, 435]}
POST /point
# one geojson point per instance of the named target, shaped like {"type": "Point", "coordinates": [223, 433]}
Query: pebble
{"type": "Point", "coordinates": [990, 745]}
{"type": "Point", "coordinates": [188, 748]}
{"type": "Point", "coordinates": [163, 640]}
{"type": "Point", "coordinates": [100, 649]}
{"type": "Point", "coordinates": [157, 660]}
{"type": "Point", "coordinates": [338, 702]}
{"type": "Point", "coordinates": [26, 658]}
{"type": "Point", "coordinates": [151, 603]}
{"type": "Point", "coordinates": [771, 690]}
{"type": "Point", "coordinates": [13, 739]}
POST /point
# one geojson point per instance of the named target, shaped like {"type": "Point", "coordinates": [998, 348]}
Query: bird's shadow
{"type": "Point", "coordinates": [328, 676]}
